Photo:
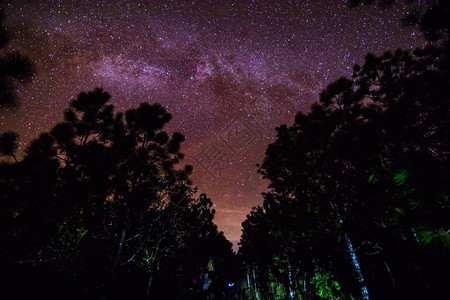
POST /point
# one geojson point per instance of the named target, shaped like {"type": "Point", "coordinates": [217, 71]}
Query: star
{"type": "Point", "coordinates": [228, 71]}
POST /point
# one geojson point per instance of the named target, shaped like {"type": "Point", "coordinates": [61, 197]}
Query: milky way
{"type": "Point", "coordinates": [229, 72]}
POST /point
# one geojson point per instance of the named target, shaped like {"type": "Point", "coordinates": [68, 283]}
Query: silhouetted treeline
{"type": "Point", "coordinates": [98, 209]}
{"type": "Point", "coordinates": [358, 204]}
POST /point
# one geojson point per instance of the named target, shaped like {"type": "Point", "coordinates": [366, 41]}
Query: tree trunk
{"type": "Point", "coordinates": [390, 273]}
{"type": "Point", "coordinates": [119, 250]}
{"type": "Point", "coordinates": [356, 266]}
{"type": "Point", "coordinates": [149, 286]}
{"type": "Point", "coordinates": [152, 269]}
{"type": "Point", "coordinates": [255, 285]}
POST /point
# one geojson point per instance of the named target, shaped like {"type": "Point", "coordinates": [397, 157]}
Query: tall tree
{"type": "Point", "coordinates": [99, 200]}
{"type": "Point", "coordinates": [365, 174]}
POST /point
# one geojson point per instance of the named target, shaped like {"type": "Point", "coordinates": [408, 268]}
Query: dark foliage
{"type": "Point", "coordinates": [358, 201]}
{"type": "Point", "coordinates": [15, 69]}
{"type": "Point", "coordinates": [97, 208]}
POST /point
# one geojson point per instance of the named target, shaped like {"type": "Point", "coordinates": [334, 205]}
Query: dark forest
{"type": "Point", "coordinates": [102, 205]}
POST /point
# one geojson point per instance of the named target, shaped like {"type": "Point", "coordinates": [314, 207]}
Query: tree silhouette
{"type": "Point", "coordinates": [359, 185]}
{"type": "Point", "coordinates": [15, 69]}
{"type": "Point", "coordinates": [207, 259]}
{"type": "Point", "coordinates": [8, 144]}
{"type": "Point", "coordinates": [100, 200]}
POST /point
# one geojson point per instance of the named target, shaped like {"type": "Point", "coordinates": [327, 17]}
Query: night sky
{"type": "Point", "coordinates": [229, 72]}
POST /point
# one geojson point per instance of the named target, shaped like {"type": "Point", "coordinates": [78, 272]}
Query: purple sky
{"type": "Point", "coordinates": [229, 72]}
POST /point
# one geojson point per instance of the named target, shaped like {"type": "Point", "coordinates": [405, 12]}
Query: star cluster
{"type": "Point", "coordinates": [228, 71]}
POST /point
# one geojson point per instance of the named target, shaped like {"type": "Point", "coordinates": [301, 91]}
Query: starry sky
{"type": "Point", "coordinates": [229, 72]}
